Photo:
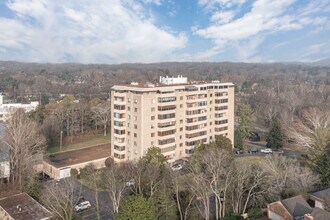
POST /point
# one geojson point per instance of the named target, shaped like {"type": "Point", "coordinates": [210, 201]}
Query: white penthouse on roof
{"type": "Point", "coordinates": [172, 80]}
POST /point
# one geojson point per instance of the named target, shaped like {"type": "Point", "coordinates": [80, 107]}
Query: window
{"type": "Point", "coordinates": [129, 100]}
{"type": "Point", "coordinates": [167, 99]}
{"type": "Point", "coordinates": [128, 124]}
{"type": "Point", "coordinates": [166, 116]}
{"type": "Point", "coordinates": [181, 97]}
{"type": "Point", "coordinates": [135, 118]}
{"type": "Point", "coordinates": [166, 124]}
{"type": "Point", "coordinates": [166, 108]}
{"type": "Point", "coordinates": [135, 135]}
{"type": "Point", "coordinates": [128, 133]}
{"type": "Point", "coordinates": [135, 101]}
{"type": "Point", "coordinates": [181, 105]}
{"type": "Point", "coordinates": [152, 134]}
{"type": "Point", "coordinates": [165, 133]}
{"type": "Point", "coordinates": [152, 109]}
{"type": "Point", "coordinates": [135, 143]}
{"type": "Point", "coordinates": [181, 121]}
{"type": "Point", "coordinates": [181, 144]}
{"type": "Point", "coordinates": [135, 109]}
{"type": "Point", "coordinates": [180, 136]}
{"type": "Point", "coordinates": [153, 101]}
{"type": "Point", "coordinates": [181, 129]}
{"type": "Point", "coordinates": [152, 126]}
{"type": "Point", "coordinates": [129, 116]}
{"type": "Point", "coordinates": [152, 143]}
{"type": "Point", "coordinates": [128, 108]}
{"type": "Point", "coordinates": [135, 126]}
{"type": "Point", "coordinates": [152, 117]}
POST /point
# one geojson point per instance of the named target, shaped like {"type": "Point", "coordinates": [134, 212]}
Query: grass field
{"type": "Point", "coordinates": [249, 159]}
{"type": "Point", "coordinates": [92, 141]}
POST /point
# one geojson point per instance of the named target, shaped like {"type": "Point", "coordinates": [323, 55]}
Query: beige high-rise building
{"type": "Point", "coordinates": [173, 115]}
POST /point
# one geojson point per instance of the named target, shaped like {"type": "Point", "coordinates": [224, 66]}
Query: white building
{"type": "Point", "coordinates": [4, 166]}
{"type": "Point", "coordinates": [172, 80]}
{"type": "Point", "coordinates": [7, 109]}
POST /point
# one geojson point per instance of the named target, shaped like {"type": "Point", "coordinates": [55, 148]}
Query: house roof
{"type": "Point", "coordinates": [22, 206]}
{"type": "Point", "coordinates": [69, 158]}
{"type": "Point", "coordinates": [278, 208]}
{"type": "Point", "coordinates": [320, 195]}
{"type": "Point", "coordinates": [320, 214]}
{"type": "Point", "coordinates": [297, 206]}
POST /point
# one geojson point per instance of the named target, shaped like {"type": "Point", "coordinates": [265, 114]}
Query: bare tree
{"type": "Point", "coordinates": [249, 182]}
{"type": "Point", "coordinates": [61, 197]}
{"type": "Point", "coordinates": [23, 141]}
{"type": "Point", "coordinates": [200, 187]}
{"type": "Point", "coordinates": [94, 180]}
{"type": "Point", "coordinates": [288, 177]}
{"type": "Point", "coordinates": [312, 132]}
{"type": "Point", "coordinates": [184, 198]}
{"type": "Point", "coordinates": [216, 163]}
{"type": "Point", "coordinates": [102, 115]}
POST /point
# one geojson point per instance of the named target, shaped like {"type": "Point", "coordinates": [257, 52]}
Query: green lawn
{"type": "Point", "coordinates": [249, 159]}
{"type": "Point", "coordinates": [92, 141]}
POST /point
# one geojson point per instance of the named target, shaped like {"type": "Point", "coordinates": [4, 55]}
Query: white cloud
{"type": "Point", "coordinates": [213, 4]}
{"type": "Point", "coordinates": [222, 17]}
{"type": "Point", "coordinates": [247, 32]}
{"type": "Point", "coordinates": [83, 31]}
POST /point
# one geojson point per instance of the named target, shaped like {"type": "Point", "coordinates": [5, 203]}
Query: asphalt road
{"type": "Point", "coordinates": [104, 204]}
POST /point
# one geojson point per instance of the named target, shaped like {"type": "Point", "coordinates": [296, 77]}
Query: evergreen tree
{"type": "Point", "coordinates": [238, 139]}
{"type": "Point", "coordinates": [322, 167]}
{"type": "Point", "coordinates": [136, 207]}
{"type": "Point", "coordinates": [275, 136]}
{"type": "Point", "coordinates": [155, 156]}
{"type": "Point", "coordinates": [220, 142]}
{"type": "Point", "coordinates": [166, 206]}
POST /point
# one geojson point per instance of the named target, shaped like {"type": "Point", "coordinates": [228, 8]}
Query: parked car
{"type": "Point", "coordinates": [267, 151]}
{"type": "Point", "coordinates": [240, 152]}
{"type": "Point", "coordinates": [82, 206]}
{"type": "Point", "coordinates": [254, 150]}
{"type": "Point", "coordinates": [130, 183]}
{"type": "Point", "coordinates": [177, 167]}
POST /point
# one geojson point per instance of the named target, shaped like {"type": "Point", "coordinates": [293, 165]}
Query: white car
{"type": "Point", "coordinates": [82, 206]}
{"type": "Point", "coordinates": [130, 183]}
{"type": "Point", "coordinates": [177, 167]}
{"type": "Point", "coordinates": [267, 151]}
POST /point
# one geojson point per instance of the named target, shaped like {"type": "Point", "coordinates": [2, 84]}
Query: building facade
{"type": "Point", "coordinates": [6, 110]}
{"type": "Point", "coordinates": [173, 117]}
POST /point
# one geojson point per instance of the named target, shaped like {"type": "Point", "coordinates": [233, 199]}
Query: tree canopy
{"type": "Point", "coordinates": [155, 156]}
{"type": "Point", "coordinates": [275, 136]}
{"type": "Point", "coordinates": [136, 207]}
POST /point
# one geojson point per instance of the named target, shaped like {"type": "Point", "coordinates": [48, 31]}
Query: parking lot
{"type": "Point", "coordinates": [104, 204]}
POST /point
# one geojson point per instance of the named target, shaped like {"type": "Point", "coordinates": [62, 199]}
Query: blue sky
{"type": "Point", "coordinates": [132, 31]}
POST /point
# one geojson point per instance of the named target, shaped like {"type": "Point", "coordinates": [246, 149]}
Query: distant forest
{"type": "Point", "coordinates": [18, 80]}
{"type": "Point", "coordinates": [277, 90]}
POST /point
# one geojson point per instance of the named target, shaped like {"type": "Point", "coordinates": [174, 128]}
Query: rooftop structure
{"type": "Point", "coordinates": [59, 165]}
{"type": "Point", "coordinates": [319, 198]}
{"type": "Point", "coordinates": [22, 207]}
{"type": "Point", "coordinates": [172, 80]}
{"type": "Point", "coordinates": [295, 208]}
{"type": "Point", "coordinates": [175, 116]}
